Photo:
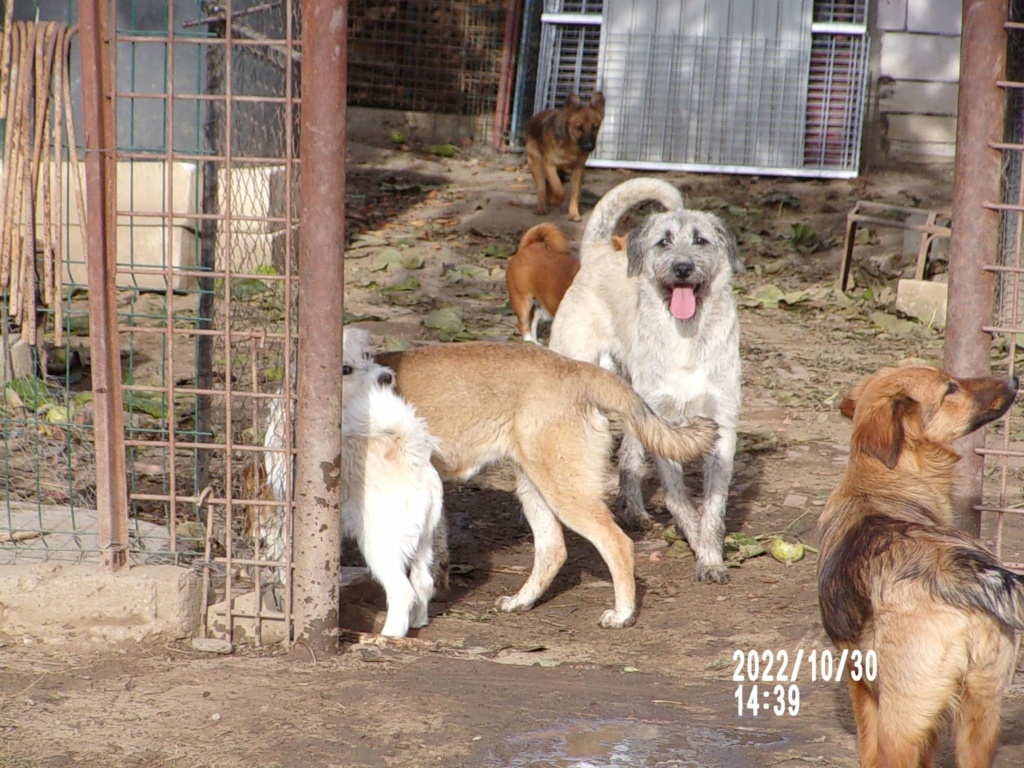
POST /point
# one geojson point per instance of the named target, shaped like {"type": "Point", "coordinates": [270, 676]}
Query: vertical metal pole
{"type": "Point", "coordinates": [213, 139]}
{"type": "Point", "coordinates": [975, 226]}
{"type": "Point", "coordinates": [317, 527]}
{"type": "Point", "coordinates": [513, 9]}
{"type": "Point", "coordinates": [100, 245]}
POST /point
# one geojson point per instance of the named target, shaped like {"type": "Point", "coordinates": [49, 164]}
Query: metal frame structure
{"type": "Point", "coordinates": [699, 86]}
{"type": "Point", "coordinates": [229, 353]}
{"type": "Point", "coordinates": [987, 259]}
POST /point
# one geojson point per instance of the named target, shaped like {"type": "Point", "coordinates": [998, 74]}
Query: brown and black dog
{"type": "Point", "coordinates": [561, 140]}
{"type": "Point", "coordinates": [898, 583]}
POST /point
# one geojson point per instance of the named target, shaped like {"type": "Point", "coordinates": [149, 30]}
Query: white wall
{"type": "Point", "coordinates": [918, 67]}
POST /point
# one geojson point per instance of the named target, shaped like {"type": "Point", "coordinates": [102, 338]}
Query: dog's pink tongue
{"type": "Point", "coordinates": [683, 305]}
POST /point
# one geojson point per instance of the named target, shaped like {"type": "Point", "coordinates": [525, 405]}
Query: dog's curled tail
{"type": "Point", "coordinates": [683, 442]}
{"type": "Point", "coordinates": [617, 201]}
{"type": "Point", "coordinates": [546, 233]}
{"type": "Point", "coordinates": [979, 581]}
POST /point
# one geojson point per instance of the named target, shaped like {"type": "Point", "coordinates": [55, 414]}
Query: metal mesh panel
{"type": "Point", "coordinates": [1003, 499]}
{"type": "Point", "coordinates": [835, 101]}
{"type": "Point", "coordinates": [573, 6]}
{"type": "Point", "coordinates": [206, 277]}
{"type": "Point", "coordinates": [754, 91]}
{"type": "Point", "coordinates": [715, 101]}
{"type": "Point", "coordinates": [218, 350]}
{"type": "Point", "coordinates": [47, 452]}
{"type": "Point", "coordinates": [568, 63]}
{"type": "Point", "coordinates": [442, 57]}
{"type": "Point", "coordinates": [843, 11]}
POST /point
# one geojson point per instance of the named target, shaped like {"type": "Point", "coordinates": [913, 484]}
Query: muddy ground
{"type": "Point", "coordinates": [547, 688]}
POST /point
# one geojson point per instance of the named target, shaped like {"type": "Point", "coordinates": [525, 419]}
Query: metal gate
{"type": "Point", "coordinates": [1001, 196]}
{"type": "Point", "coordinates": [766, 87]}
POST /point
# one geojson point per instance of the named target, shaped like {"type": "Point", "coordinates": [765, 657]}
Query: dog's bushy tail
{"type": "Point", "coordinates": [275, 463]}
{"type": "Point", "coordinates": [684, 442]}
{"type": "Point", "coordinates": [617, 201]}
{"type": "Point", "coordinates": [974, 578]}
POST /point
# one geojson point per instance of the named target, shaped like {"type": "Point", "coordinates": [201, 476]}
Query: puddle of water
{"type": "Point", "coordinates": [631, 744]}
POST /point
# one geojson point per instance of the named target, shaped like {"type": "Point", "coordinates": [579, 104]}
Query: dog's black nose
{"type": "Point", "coordinates": [587, 144]}
{"type": "Point", "coordinates": [682, 270]}
{"type": "Point", "coordinates": [385, 379]}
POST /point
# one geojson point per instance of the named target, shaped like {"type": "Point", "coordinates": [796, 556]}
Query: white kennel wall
{"type": "Point", "coordinates": [746, 86]}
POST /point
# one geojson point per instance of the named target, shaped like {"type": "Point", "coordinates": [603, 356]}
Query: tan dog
{"type": "Point", "coordinates": [935, 607]}
{"type": "Point", "coordinates": [487, 402]}
{"type": "Point", "coordinates": [560, 141]}
{"type": "Point", "coordinates": [538, 275]}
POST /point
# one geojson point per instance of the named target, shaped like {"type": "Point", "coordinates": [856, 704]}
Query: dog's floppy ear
{"type": "Point", "coordinates": [731, 248]}
{"type": "Point", "coordinates": [848, 406]}
{"type": "Point", "coordinates": [634, 253]}
{"type": "Point", "coordinates": [849, 403]}
{"type": "Point", "coordinates": [879, 429]}
{"type": "Point", "coordinates": [597, 102]}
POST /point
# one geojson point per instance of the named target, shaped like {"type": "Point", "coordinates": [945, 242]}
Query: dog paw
{"type": "Point", "coordinates": [713, 574]}
{"type": "Point", "coordinates": [511, 604]}
{"type": "Point", "coordinates": [614, 619]}
{"type": "Point", "coordinates": [400, 629]}
{"type": "Point", "coordinates": [629, 509]}
{"type": "Point", "coordinates": [634, 522]}
{"type": "Point", "coordinates": [574, 216]}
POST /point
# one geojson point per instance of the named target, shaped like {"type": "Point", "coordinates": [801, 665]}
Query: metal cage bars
{"type": "Point", "coordinates": [236, 448]}
{"type": "Point", "coordinates": [980, 271]}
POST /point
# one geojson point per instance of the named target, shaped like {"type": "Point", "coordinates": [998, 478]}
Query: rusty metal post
{"type": "Point", "coordinates": [510, 41]}
{"type": "Point", "coordinates": [100, 248]}
{"type": "Point", "coordinates": [975, 225]}
{"type": "Point", "coordinates": [317, 525]}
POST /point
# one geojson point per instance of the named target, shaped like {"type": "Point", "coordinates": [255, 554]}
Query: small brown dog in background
{"type": "Point", "coordinates": [561, 140]}
{"type": "Point", "coordinates": [538, 275]}
{"type": "Point", "coordinates": [897, 581]}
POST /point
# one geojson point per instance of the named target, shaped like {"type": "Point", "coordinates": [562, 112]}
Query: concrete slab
{"type": "Point", "coordinates": [923, 299]}
{"type": "Point", "coordinates": [78, 603]}
{"type": "Point", "coordinates": [63, 535]}
{"type": "Point", "coordinates": [373, 125]}
{"type": "Point", "coordinates": [18, 360]}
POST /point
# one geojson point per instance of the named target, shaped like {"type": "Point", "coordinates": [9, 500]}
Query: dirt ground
{"type": "Point", "coordinates": [548, 688]}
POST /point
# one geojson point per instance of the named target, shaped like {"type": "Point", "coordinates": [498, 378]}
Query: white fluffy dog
{"type": "Point", "coordinates": [390, 492]}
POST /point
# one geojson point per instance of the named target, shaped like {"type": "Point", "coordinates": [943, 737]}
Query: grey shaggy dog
{"type": "Point", "coordinates": [663, 315]}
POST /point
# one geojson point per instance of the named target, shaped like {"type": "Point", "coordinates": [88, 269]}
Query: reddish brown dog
{"type": "Point", "coordinates": [561, 140]}
{"type": "Point", "coordinates": [538, 275]}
